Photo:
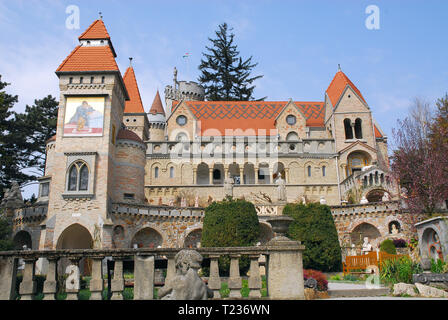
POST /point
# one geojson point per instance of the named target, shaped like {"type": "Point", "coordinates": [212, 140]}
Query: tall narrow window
{"type": "Point", "coordinates": [172, 172]}
{"type": "Point", "coordinates": [78, 177]}
{"type": "Point", "coordinates": [156, 172]}
{"type": "Point", "coordinates": [102, 79]}
{"type": "Point", "coordinates": [309, 171]}
{"type": "Point", "coordinates": [358, 129]}
{"type": "Point", "coordinates": [92, 79]}
{"type": "Point", "coordinates": [348, 129]}
{"type": "Point", "coordinates": [324, 169]}
{"type": "Point", "coordinates": [70, 80]}
{"type": "Point", "coordinates": [81, 80]}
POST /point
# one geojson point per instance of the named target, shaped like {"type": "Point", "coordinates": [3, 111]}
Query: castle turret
{"type": "Point", "coordinates": [134, 118]}
{"type": "Point", "coordinates": [157, 120]}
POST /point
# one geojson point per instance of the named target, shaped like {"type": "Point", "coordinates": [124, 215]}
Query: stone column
{"type": "Point", "coordinates": [214, 281]}
{"type": "Point", "coordinates": [242, 174]}
{"type": "Point", "coordinates": [235, 282]}
{"type": "Point", "coordinates": [352, 125]}
{"type": "Point", "coordinates": [254, 278]}
{"type": "Point", "coordinates": [210, 173]}
{"type": "Point", "coordinates": [117, 284]}
{"type": "Point", "coordinates": [171, 267]}
{"type": "Point", "coordinates": [97, 283]}
{"type": "Point", "coordinates": [8, 272]}
{"type": "Point", "coordinates": [286, 175]}
{"type": "Point", "coordinates": [28, 286]}
{"type": "Point", "coordinates": [256, 174]}
{"type": "Point", "coordinates": [72, 283]}
{"type": "Point", "coordinates": [51, 282]}
{"type": "Point", "coordinates": [195, 175]}
{"type": "Point", "coordinates": [143, 277]}
{"type": "Point", "coordinates": [271, 175]}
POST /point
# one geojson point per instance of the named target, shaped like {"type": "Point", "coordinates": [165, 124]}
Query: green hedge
{"type": "Point", "coordinates": [388, 246]}
{"type": "Point", "coordinates": [314, 226]}
{"type": "Point", "coordinates": [230, 223]}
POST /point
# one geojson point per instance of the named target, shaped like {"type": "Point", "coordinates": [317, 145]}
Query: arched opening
{"type": "Point", "coordinates": [431, 247]}
{"type": "Point", "coordinates": [348, 129]}
{"type": "Point", "coordinates": [292, 136]}
{"type": "Point", "coordinates": [78, 177]}
{"type": "Point", "coordinates": [202, 174]}
{"type": "Point", "coordinates": [263, 174]}
{"type": "Point", "coordinates": [394, 227]}
{"type": "Point", "coordinates": [193, 239]}
{"type": "Point", "coordinates": [75, 237]}
{"type": "Point", "coordinates": [147, 238]}
{"type": "Point", "coordinates": [249, 173]}
{"type": "Point", "coordinates": [22, 238]}
{"type": "Point", "coordinates": [358, 128]}
{"type": "Point", "coordinates": [118, 237]}
{"type": "Point", "coordinates": [218, 173]}
{"type": "Point", "coordinates": [279, 170]}
{"type": "Point", "coordinates": [234, 172]}
{"type": "Point", "coordinates": [375, 195]}
{"type": "Point", "coordinates": [364, 230]}
{"type": "Point", "coordinates": [356, 161]}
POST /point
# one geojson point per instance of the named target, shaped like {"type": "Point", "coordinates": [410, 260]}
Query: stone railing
{"type": "Point", "coordinates": [158, 211]}
{"type": "Point", "coordinates": [373, 207]}
{"type": "Point", "coordinates": [283, 263]}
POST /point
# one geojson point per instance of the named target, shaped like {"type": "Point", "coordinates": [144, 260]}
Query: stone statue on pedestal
{"type": "Point", "coordinates": [364, 200]}
{"type": "Point", "coordinates": [385, 197]}
{"type": "Point", "coordinates": [366, 246]}
{"type": "Point", "coordinates": [186, 284]}
{"type": "Point", "coordinates": [281, 189]}
{"type": "Point", "coordinates": [322, 200]}
{"type": "Point", "coordinates": [228, 186]}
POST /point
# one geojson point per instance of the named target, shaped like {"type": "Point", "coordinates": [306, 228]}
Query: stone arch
{"type": "Point", "coordinates": [294, 172]}
{"type": "Point", "coordinates": [365, 229]}
{"type": "Point", "coordinates": [430, 244]}
{"type": "Point", "coordinates": [375, 195]}
{"type": "Point", "coordinates": [292, 136]}
{"type": "Point", "coordinates": [22, 238]}
{"type": "Point", "coordinates": [279, 168]}
{"type": "Point", "coordinates": [263, 173]}
{"type": "Point", "coordinates": [153, 170]}
{"type": "Point", "coordinates": [218, 173]}
{"type": "Point", "coordinates": [249, 173]}
{"type": "Point", "coordinates": [202, 174]}
{"type": "Point", "coordinates": [147, 237]}
{"type": "Point", "coordinates": [193, 239]}
{"type": "Point", "coordinates": [356, 160]}
{"type": "Point", "coordinates": [118, 237]}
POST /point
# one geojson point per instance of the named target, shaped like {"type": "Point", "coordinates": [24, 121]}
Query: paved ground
{"type": "Point", "coordinates": [345, 286]}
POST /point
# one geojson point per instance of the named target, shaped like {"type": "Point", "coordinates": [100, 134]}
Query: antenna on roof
{"type": "Point", "coordinates": [101, 15]}
{"type": "Point", "coordinates": [130, 61]}
{"type": "Point", "coordinates": [339, 67]}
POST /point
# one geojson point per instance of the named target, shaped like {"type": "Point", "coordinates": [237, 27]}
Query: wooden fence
{"type": "Point", "coordinates": [359, 264]}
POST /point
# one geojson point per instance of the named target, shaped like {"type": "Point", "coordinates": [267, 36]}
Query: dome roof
{"type": "Point", "coordinates": [125, 134]}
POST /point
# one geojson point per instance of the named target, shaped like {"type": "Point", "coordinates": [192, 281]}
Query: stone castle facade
{"type": "Point", "coordinates": [117, 176]}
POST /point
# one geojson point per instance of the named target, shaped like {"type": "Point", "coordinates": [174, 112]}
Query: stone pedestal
{"type": "Point", "coordinates": [144, 278]}
{"type": "Point", "coordinates": [51, 282]}
{"type": "Point", "coordinates": [117, 283]}
{"type": "Point", "coordinates": [28, 285]}
{"type": "Point", "coordinates": [96, 284]}
{"type": "Point", "coordinates": [235, 282]}
{"type": "Point", "coordinates": [8, 271]}
{"type": "Point", "coordinates": [214, 281]}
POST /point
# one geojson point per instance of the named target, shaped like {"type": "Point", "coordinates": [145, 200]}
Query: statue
{"type": "Point", "coordinates": [183, 202]}
{"type": "Point", "coordinates": [186, 284]}
{"type": "Point", "coordinates": [385, 197]}
{"type": "Point", "coordinates": [171, 203]}
{"type": "Point", "coordinates": [196, 202]}
{"type": "Point", "coordinates": [353, 250]}
{"type": "Point", "coordinates": [366, 246]}
{"type": "Point", "coordinates": [12, 198]}
{"type": "Point", "coordinates": [281, 189]}
{"type": "Point", "coordinates": [322, 200]}
{"type": "Point", "coordinates": [228, 186]}
{"type": "Point", "coordinates": [394, 229]}
{"type": "Point", "coordinates": [303, 200]}
{"type": "Point", "coordinates": [363, 200]}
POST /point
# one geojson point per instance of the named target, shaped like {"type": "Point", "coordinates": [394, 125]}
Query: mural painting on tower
{"type": "Point", "coordinates": [84, 116]}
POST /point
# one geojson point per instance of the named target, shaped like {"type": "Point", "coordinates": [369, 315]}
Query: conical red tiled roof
{"type": "Point", "coordinates": [337, 86]}
{"type": "Point", "coordinates": [97, 30]}
{"type": "Point", "coordinates": [134, 105]}
{"type": "Point", "coordinates": [157, 106]}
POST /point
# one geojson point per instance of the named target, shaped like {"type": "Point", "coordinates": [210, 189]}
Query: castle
{"type": "Point", "coordinates": [117, 176]}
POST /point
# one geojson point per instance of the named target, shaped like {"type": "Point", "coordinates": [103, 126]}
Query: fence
{"type": "Point", "coordinates": [362, 262]}
{"type": "Point", "coordinates": [284, 273]}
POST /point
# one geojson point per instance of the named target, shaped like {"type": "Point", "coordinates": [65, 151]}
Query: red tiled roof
{"type": "Point", "coordinates": [97, 30]}
{"type": "Point", "coordinates": [125, 134]}
{"type": "Point", "coordinates": [89, 59]}
{"type": "Point", "coordinates": [134, 104]}
{"type": "Point", "coordinates": [248, 117]}
{"type": "Point", "coordinates": [377, 132]}
{"type": "Point", "coordinates": [157, 106]}
{"type": "Point", "coordinates": [337, 86]}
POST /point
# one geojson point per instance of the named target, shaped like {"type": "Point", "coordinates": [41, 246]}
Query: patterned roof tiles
{"type": "Point", "coordinates": [97, 30]}
{"type": "Point", "coordinates": [89, 59]}
{"type": "Point", "coordinates": [337, 87]}
{"type": "Point", "coordinates": [134, 104]}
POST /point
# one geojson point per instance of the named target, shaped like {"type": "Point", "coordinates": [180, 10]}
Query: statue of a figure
{"type": "Point", "coordinates": [183, 202]}
{"type": "Point", "coordinates": [12, 197]}
{"type": "Point", "coordinates": [366, 246]}
{"type": "Point", "coordinates": [385, 197]}
{"type": "Point", "coordinates": [281, 189]}
{"type": "Point", "coordinates": [322, 200]}
{"type": "Point", "coordinates": [303, 200]}
{"type": "Point", "coordinates": [196, 202]}
{"type": "Point", "coordinates": [228, 186]}
{"type": "Point", "coordinates": [186, 284]}
{"type": "Point", "coordinates": [364, 200]}
{"type": "Point", "coordinates": [394, 229]}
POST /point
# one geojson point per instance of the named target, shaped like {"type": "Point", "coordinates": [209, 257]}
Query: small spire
{"type": "Point", "coordinates": [130, 62]}
{"type": "Point", "coordinates": [101, 15]}
{"type": "Point", "coordinates": [339, 67]}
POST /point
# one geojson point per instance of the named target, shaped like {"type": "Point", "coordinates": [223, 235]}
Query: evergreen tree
{"type": "Point", "coordinates": [225, 76]}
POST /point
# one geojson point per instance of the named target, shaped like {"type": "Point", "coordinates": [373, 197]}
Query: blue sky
{"type": "Point", "coordinates": [298, 45]}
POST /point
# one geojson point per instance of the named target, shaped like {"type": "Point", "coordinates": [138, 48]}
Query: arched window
{"type": "Point", "coordinates": [348, 129]}
{"type": "Point", "coordinates": [171, 172]}
{"type": "Point", "coordinates": [78, 177]}
{"type": "Point", "coordinates": [324, 171]}
{"type": "Point", "coordinates": [292, 136]}
{"type": "Point", "coordinates": [181, 137]}
{"type": "Point", "coordinates": [358, 128]}
{"type": "Point", "coordinates": [309, 171]}
{"type": "Point", "coordinates": [216, 174]}
{"type": "Point", "coordinates": [156, 172]}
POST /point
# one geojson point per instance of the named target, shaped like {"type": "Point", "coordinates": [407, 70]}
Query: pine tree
{"type": "Point", "coordinates": [225, 76]}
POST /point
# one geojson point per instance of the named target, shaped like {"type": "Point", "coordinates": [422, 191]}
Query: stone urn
{"type": "Point", "coordinates": [280, 226]}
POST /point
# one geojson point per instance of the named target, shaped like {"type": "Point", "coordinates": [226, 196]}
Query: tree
{"type": "Point", "coordinates": [419, 161]}
{"type": "Point", "coordinates": [230, 223]}
{"type": "Point", "coordinates": [314, 226]}
{"type": "Point", "coordinates": [225, 76]}
{"type": "Point", "coordinates": [6, 242]}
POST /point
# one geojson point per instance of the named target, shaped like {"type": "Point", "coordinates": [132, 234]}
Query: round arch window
{"type": "Point", "coordinates": [291, 120]}
{"type": "Point", "coordinates": [181, 120]}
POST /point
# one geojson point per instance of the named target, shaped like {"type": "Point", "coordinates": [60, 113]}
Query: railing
{"type": "Point", "coordinates": [362, 262]}
{"type": "Point", "coordinates": [282, 260]}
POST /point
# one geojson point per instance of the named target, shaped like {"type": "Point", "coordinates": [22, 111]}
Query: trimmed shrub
{"type": "Point", "coordinates": [230, 223]}
{"type": "Point", "coordinates": [388, 247]}
{"type": "Point", "coordinates": [322, 283]}
{"type": "Point", "coordinates": [314, 226]}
